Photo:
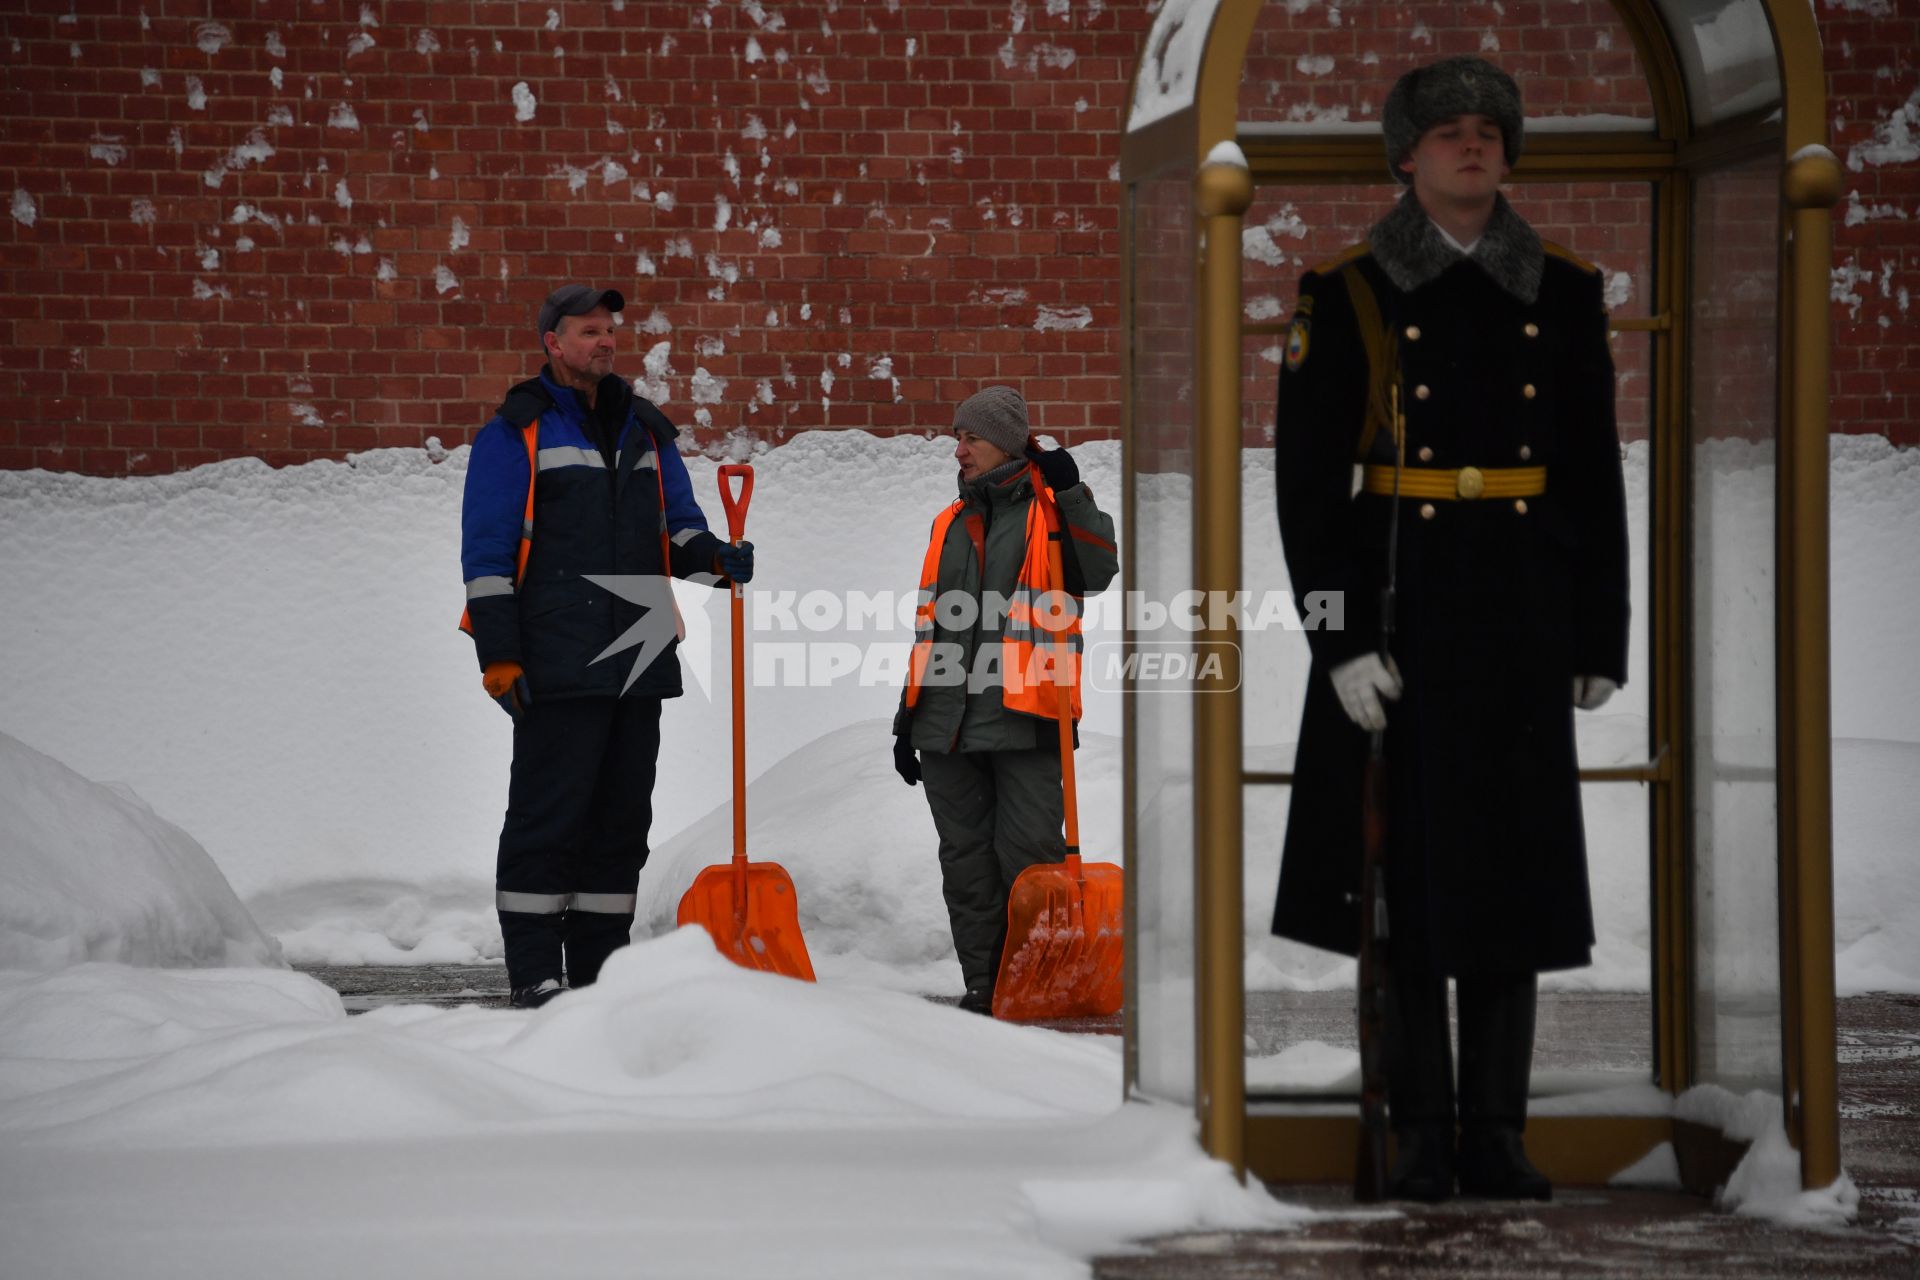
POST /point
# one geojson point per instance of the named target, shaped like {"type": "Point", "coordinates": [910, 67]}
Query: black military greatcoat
{"type": "Point", "coordinates": [1504, 363]}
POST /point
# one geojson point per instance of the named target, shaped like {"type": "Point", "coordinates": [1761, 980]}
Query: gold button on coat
{"type": "Point", "coordinates": [1471, 483]}
{"type": "Point", "coordinates": [1421, 392]}
{"type": "Point", "coordinates": [1528, 391]}
{"type": "Point", "coordinates": [1413, 333]}
{"type": "Point", "coordinates": [1426, 511]}
{"type": "Point", "coordinates": [1520, 506]}
{"type": "Point", "coordinates": [1533, 330]}
{"type": "Point", "coordinates": [1525, 453]}
{"type": "Point", "coordinates": [1426, 453]}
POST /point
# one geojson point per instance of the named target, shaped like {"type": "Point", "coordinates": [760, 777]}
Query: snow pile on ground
{"type": "Point", "coordinates": [1876, 876]}
{"type": "Point", "coordinates": [706, 1120]}
{"type": "Point", "coordinates": [319, 725]}
{"type": "Point", "coordinates": [89, 872]}
{"type": "Point", "coordinates": [1766, 1183]}
{"type": "Point", "coordinates": [863, 854]}
{"type": "Point", "coordinates": [1658, 1170]}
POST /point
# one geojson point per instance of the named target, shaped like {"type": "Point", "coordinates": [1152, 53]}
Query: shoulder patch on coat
{"type": "Point", "coordinates": [1565, 254]}
{"type": "Point", "coordinates": [1297, 338]}
{"type": "Point", "coordinates": [1342, 258]}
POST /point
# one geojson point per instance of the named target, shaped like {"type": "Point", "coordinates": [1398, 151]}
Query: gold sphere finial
{"type": "Point", "coordinates": [1813, 179]}
{"type": "Point", "coordinates": [1224, 187]}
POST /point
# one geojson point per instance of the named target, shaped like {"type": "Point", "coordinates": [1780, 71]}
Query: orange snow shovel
{"type": "Point", "coordinates": [1064, 920]}
{"type": "Point", "coordinates": [748, 907]}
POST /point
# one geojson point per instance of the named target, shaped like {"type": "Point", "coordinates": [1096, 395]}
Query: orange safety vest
{"type": "Point", "coordinates": [531, 433]}
{"type": "Point", "coordinates": [1042, 619]}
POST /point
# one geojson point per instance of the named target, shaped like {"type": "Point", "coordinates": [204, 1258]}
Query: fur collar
{"type": "Point", "coordinates": [1411, 250]}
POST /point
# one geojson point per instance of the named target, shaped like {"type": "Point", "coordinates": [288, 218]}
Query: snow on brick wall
{"type": "Point", "coordinates": [1873, 77]}
{"type": "Point", "coordinates": [296, 230]}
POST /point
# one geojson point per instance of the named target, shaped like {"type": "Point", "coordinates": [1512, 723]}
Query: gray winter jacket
{"type": "Point", "coordinates": [950, 717]}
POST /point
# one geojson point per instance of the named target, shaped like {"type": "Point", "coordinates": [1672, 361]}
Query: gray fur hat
{"type": "Point", "coordinates": [997, 415]}
{"type": "Point", "coordinates": [1427, 96]}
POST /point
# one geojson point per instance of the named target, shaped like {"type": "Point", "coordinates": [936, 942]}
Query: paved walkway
{"type": "Point", "coordinates": [1628, 1235]}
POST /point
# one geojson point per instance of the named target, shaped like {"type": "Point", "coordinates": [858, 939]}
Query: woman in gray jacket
{"type": "Point", "coordinates": [973, 723]}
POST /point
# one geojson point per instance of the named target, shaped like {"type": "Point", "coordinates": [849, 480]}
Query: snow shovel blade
{"type": "Point", "coordinates": [765, 933]}
{"type": "Point", "coordinates": [1064, 944]}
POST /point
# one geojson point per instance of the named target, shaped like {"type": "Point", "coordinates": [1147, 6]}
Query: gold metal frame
{"type": "Point", "coordinates": [1573, 1149]}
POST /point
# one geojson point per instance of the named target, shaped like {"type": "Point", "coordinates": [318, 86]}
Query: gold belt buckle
{"type": "Point", "coordinates": [1471, 483]}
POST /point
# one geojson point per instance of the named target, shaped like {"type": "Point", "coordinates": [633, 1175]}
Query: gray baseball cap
{"type": "Point", "coordinates": [575, 300]}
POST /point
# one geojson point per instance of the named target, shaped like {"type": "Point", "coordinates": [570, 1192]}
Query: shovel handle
{"type": "Point", "coordinates": [736, 505]}
{"type": "Point", "coordinates": [1063, 663]}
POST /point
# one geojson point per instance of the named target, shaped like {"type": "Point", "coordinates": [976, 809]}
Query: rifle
{"type": "Point", "coordinates": [1370, 1165]}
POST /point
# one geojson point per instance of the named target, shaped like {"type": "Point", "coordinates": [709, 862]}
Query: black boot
{"type": "Point", "coordinates": [979, 997]}
{"type": "Point", "coordinates": [592, 936]}
{"type": "Point", "coordinates": [535, 996]}
{"type": "Point", "coordinates": [1420, 1085]}
{"type": "Point", "coordinates": [533, 948]}
{"type": "Point", "coordinates": [1423, 1169]}
{"type": "Point", "coordinates": [1496, 1062]}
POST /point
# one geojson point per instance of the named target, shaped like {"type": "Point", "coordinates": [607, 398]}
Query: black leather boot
{"type": "Point", "coordinates": [1423, 1169]}
{"type": "Point", "coordinates": [1420, 1085]}
{"type": "Point", "coordinates": [1496, 1062]}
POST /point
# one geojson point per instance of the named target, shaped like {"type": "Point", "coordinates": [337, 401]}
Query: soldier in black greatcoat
{"type": "Point", "coordinates": [1512, 610]}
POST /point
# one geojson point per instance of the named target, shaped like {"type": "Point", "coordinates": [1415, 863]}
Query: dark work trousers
{"type": "Point", "coordinates": [1496, 1048]}
{"type": "Point", "coordinates": [578, 809]}
{"type": "Point", "coordinates": [998, 813]}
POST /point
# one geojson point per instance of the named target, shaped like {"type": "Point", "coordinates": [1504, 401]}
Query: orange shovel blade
{"type": "Point", "coordinates": [766, 936]}
{"type": "Point", "coordinates": [1064, 944]}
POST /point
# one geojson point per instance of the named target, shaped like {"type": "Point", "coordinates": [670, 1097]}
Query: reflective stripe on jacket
{"type": "Point", "coordinates": [607, 520]}
{"type": "Point", "coordinates": [1041, 618]}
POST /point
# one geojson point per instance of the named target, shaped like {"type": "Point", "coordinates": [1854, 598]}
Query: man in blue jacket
{"type": "Point", "coordinates": [577, 509]}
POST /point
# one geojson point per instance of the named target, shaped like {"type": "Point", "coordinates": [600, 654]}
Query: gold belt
{"type": "Point", "coordinates": [1446, 483]}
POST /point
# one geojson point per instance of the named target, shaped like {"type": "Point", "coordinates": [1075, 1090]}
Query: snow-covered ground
{"type": "Point", "coordinates": [683, 1118]}
{"type": "Point", "coordinates": [268, 660]}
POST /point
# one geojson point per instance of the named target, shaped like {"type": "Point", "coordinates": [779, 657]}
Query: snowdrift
{"type": "Point", "coordinates": [322, 732]}
{"type": "Point", "coordinates": [90, 872]}
{"type": "Point", "coordinates": [685, 1116]}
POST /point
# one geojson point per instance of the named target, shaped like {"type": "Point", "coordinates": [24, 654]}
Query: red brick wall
{"type": "Point", "coordinates": [921, 198]}
{"type": "Point", "coordinates": [1873, 75]}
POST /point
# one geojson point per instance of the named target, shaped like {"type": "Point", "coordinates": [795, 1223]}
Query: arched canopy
{"type": "Point", "coordinates": [1733, 60]}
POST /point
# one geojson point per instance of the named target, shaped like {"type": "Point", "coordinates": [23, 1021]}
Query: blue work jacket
{"type": "Point", "coordinates": [613, 516]}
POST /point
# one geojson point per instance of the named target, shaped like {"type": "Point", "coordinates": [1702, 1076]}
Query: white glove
{"type": "Point", "coordinates": [1590, 693]}
{"type": "Point", "coordinates": [1360, 683]}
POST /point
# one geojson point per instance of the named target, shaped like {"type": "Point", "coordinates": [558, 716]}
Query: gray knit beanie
{"type": "Point", "coordinates": [1427, 96]}
{"type": "Point", "coordinates": [997, 415]}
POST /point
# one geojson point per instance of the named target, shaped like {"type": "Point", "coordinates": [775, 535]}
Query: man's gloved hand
{"type": "Point", "coordinates": [905, 762]}
{"type": "Point", "coordinates": [1057, 468]}
{"type": "Point", "coordinates": [735, 562]}
{"type": "Point", "coordinates": [1590, 693]}
{"type": "Point", "coordinates": [1360, 683]}
{"type": "Point", "coordinates": [506, 684]}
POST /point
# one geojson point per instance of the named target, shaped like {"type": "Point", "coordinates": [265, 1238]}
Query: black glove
{"type": "Point", "coordinates": [736, 562]}
{"type": "Point", "coordinates": [905, 762]}
{"type": "Point", "coordinates": [1057, 468]}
